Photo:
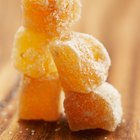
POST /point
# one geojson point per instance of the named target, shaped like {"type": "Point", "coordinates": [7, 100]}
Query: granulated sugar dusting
{"type": "Point", "coordinates": [53, 17]}
{"type": "Point", "coordinates": [84, 56]}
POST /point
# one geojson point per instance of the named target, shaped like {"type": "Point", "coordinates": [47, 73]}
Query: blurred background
{"type": "Point", "coordinates": [116, 23]}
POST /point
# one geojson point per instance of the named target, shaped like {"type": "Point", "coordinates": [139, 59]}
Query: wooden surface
{"type": "Point", "coordinates": [116, 23]}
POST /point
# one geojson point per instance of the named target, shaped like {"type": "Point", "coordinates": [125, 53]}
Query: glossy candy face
{"type": "Point", "coordinates": [82, 62]}
{"type": "Point", "coordinates": [53, 17]}
{"type": "Point", "coordinates": [99, 109]}
{"type": "Point", "coordinates": [40, 99]}
{"type": "Point", "coordinates": [31, 54]}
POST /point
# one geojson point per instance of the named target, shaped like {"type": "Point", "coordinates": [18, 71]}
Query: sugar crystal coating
{"type": "Point", "coordinates": [31, 54]}
{"type": "Point", "coordinates": [82, 62]}
{"type": "Point", "coordinates": [52, 17]}
{"type": "Point", "coordinates": [99, 109]}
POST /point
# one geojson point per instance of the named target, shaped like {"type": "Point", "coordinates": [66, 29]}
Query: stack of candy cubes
{"type": "Point", "coordinates": [53, 58]}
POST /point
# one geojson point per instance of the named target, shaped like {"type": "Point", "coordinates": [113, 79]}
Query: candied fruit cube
{"type": "Point", "coordinates": [82, 62]}
{"type": "Point", "coordinates": [31, 54]}
{"type": "Point", "coordinates": [40, 99]}
{"type": "Point", "coordinates": [50, 16]}
{"type": "Point", "coordinates": [99, 109]}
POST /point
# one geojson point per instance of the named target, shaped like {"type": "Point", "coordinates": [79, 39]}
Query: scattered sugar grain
{"type": "Point", "coordinates": [105, 138]}
{"type": "Point", "coordinates": [33, 131]}
{"type": "Point", "coordinates": [20, 132]}
{"type": "Point", "coordinates": [57, 129]}
{"type": "Point", "coordinates": [32, 134]}
{"type": "Point", "coordinates": [27, 129]}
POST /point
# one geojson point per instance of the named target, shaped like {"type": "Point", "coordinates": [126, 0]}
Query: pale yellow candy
{"type": "Point", "coordinates": [82, 62]}
{"type": "Point", "coordinates": [31, 54]}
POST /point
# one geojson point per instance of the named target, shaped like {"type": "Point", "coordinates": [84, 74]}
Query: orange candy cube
{"type": "Point", "coordinates": [82, 62]}
{"type": "Point", "coordinates": [99, 109]}
{"type": "Point", "coordinates": [52, 17]}
{"type": "Point", "coordinates": [40, 99]}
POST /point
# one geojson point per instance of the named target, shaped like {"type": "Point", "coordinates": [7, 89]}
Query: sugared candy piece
{"type": "Point", "coordinates": [40, 99]}
{"type": "Point", "coordinates": [82, 62]}
{"type": "Point", "coordinates": [31, 54]}
{"type": "Point", "coordinates": [52, 17]}
{"type": "Point", "coordinates": [99, 109]}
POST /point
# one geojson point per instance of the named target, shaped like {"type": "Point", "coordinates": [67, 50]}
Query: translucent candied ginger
{"type": "Point", "coordinates": [82, 62]}
{"type": "Point", "coordinates": [40, 99]}
{"type": "Point", "coordinates": [50, 16]}
{"type": "Point", "coordinates": [31, 54]}
{"type": "Point", "coordinates": [99, 109]}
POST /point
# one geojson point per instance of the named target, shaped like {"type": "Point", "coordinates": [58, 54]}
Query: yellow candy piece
{"type": "Point", "coordinates": [99, 109]}
{"type": "Point", "coordinates": [40, 99]}
{"type": "Point", "coordinates": [31, 54]}
{"type": "Point", "coordinates": [82, 62]}
{"type": "Point", "coordinates": [53, 17]}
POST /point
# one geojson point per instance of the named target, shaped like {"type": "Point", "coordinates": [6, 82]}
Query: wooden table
{"type": "Point", "coordinates": [117, 25]}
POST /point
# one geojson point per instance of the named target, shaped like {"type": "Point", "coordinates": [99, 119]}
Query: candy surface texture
{"type": "Point", "coordinates": [99, 109]}
{"type": "Point", "coordinates": [31, 54]}
{"type": "Point", "coordinates": [53, 17]}
{"type": "Point", "coordinates": [82, 62]}
{"type": "Point", "coordinates": [40, 99]}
